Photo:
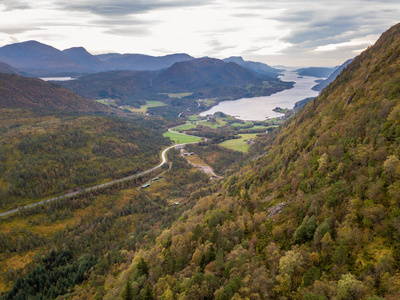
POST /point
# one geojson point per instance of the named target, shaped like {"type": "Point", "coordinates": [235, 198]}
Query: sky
{"type": "Point", "coordinates": [286, 32]}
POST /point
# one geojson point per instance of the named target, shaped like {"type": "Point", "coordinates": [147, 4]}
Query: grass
{"type": "Point", "coordinates": [240, 124]}
{"type": "Point", "coordinates": [179, 95]}
{"type": "Point", "coordinates": [195, 159]}
{"type": "Point", "coordinates": [106, 101]}
{"type": "Point", "coordinates": [143, 109]}
{"type": "Point", "coordinates": [186, 126]}
{"type": "Point", "coordinates": [239, 144]}
{"type": "Point", "coordinates": [219, 123]}
{"type": "Point", "coordinates": [181, 138]}
{"type": "Point", "coordinates": [194, 117]}
{"type": "Point", "coordinates": [207, 102]}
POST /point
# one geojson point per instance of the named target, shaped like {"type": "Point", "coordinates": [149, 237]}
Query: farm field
{"type": "Point", "coordinates": [239, 144]}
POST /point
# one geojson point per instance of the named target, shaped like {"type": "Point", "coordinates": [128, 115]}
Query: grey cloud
{"type": "Point", "coordinates": [9, 5]}
{"type": "Point", "coordinates": [128, 31]}
{"type": "Point", "coordinates": [216, 46]}
{"type": "Point", "coordinates": [246, 15]}
{"type": "Point", "coordinates": [126, 7]}
{"type": "Point", "coordinates": [15, 30]}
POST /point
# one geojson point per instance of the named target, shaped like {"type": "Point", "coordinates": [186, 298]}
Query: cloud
{"type": "Point", "coordinates": [10, 5]}
{"type": "Point", "coordinates": [17, 29]}
{"type": "Point", "coordinates": [128, 31]}
{"type": "Point", "coordinates": [126, 7]}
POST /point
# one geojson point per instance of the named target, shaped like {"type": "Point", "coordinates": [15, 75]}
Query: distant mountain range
{"type": "Point", "coordinates": [41, 60]}
{"type": "Point", "coordinates": [203, 77]}
{"type": "Point", "coordinates": [331, 77]}
{"type": "Point", "coordinates": [257, 67]}
{"type": "Point", "coordinates": [141, 62]}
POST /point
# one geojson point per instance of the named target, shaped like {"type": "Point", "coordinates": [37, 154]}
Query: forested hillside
{"type": "Point", "coordinates": [315, 217]}
{"type": "Point", "coordinates": [44, 155]}
{"type": "Point", "coordinates": [21, 92]}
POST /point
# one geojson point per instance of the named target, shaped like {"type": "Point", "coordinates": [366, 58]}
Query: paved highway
{"type": "Point", "coordinates": [163, 158]}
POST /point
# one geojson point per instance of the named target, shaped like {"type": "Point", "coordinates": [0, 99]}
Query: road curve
{"type": "Point", "coordinates": [163, 158]}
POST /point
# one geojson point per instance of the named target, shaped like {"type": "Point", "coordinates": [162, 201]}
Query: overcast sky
{"type": "Point", "coordinates": [285, 32]}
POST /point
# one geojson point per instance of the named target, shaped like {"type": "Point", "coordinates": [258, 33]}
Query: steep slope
{"type": "Point", "coordinates": [37, 58]}
{"type": "Point", "coordinates": [141, 62]}
{"type": "Point", "coordinates": [257, 67]}
{"type": "Point", "coordinates": [316, 217]}
{"type": "Point", "coordinates": [85, 59]}
{"type": "Point", "coordinates": [331, 77]}
{"type": "Point", "coordinates": [22, 92]}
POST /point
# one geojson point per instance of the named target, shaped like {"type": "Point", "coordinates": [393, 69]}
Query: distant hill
{"type": "Point", "coordinates": [316, 71]}
{"type": "Point", "coordinates": [87, 60]}
{"type": "Point", "coordinates": [332, 77]}
{"type": "Point", "coordinates": [22, 92]}
{"type": "Point", "coordinates": [140, 62]}
{"type": "Point", "coordinates": [257, 67]}
{"type": "Point", "coordinates": [38, 59]}
{"type": "Point", "coordinates": [204, 77]}
{"type": "Point", "coordinates": [7, 69]}
{"type": "Point", "coordinates": [204, 72]}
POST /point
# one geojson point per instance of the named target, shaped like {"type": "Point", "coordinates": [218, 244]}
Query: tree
{"type": "Point", "coordinates": [349, 288]}
{"type": "Point", "coordinates": [127, 294]}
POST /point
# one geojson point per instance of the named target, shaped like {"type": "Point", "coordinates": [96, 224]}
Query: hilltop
{"type": "Point", "coordinates": [21, 92]}
{"type": "Point", "coordinates": [37, 58]}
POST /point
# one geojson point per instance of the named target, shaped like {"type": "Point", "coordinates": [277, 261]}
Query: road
{"type": "Point", "coordinates": [163, 158]}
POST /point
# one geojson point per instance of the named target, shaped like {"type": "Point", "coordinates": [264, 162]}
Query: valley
{"type": "Point", "coordinates": [142, 184]}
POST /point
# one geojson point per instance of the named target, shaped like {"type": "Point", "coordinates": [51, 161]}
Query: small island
{"type": "Point", "coordinates": [281, 110]}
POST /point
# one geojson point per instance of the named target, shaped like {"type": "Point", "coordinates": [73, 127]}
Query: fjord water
{"type": "Point", "coordinates": [260, 108]}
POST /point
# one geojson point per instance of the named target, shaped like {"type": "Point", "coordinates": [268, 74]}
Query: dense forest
{"type": "Point", "coordinates": [315, 216]}
{"type": "Point", "coordinates": [47, 155]}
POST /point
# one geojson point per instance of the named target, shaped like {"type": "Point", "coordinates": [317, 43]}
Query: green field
{"type": "Point", "coordinates": [181, 138]}
{"type": "Point", "coordinates": [143, 108]}
{"type": "Point", "coordinates": [106, 101]}
{"type": "Point", "coordinates": [186, 126]}
{"type": "Point", "coordinates": [194, 117]}
{"type": "Point", "coordinates": [239, 144]}
{"type": "Point", "coordinates": [179, 95]}
{"type": "Point", "coordinates": [219, 123]}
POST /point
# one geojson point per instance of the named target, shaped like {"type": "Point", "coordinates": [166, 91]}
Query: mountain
{"type": "Point", "coordinates": [204, 77]}
{"type": "Point", "coordinates": [316, 216]}
{"type": "Point", "coordinates": [38, 59]}
{"type": "Point", "coordinates": [91, 63]}
{"type": "Point", "coordinates": [316, 71]}
{"type": "Point", "coordinates": [331, 77]}
{"type": "Point", "coordinates": [257, 67]}
{"type": "Point", "coordinates": [7, 69]}
{"type": "Point", "coordinates": [140, 62]}
{"type": "Point", "coordinates": [198, 73]}
{"type": "Point", "coordinates": [22, 92]}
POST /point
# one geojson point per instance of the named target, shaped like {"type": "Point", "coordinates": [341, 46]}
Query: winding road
{"type": "Point", "coordinates": [163, 158]}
